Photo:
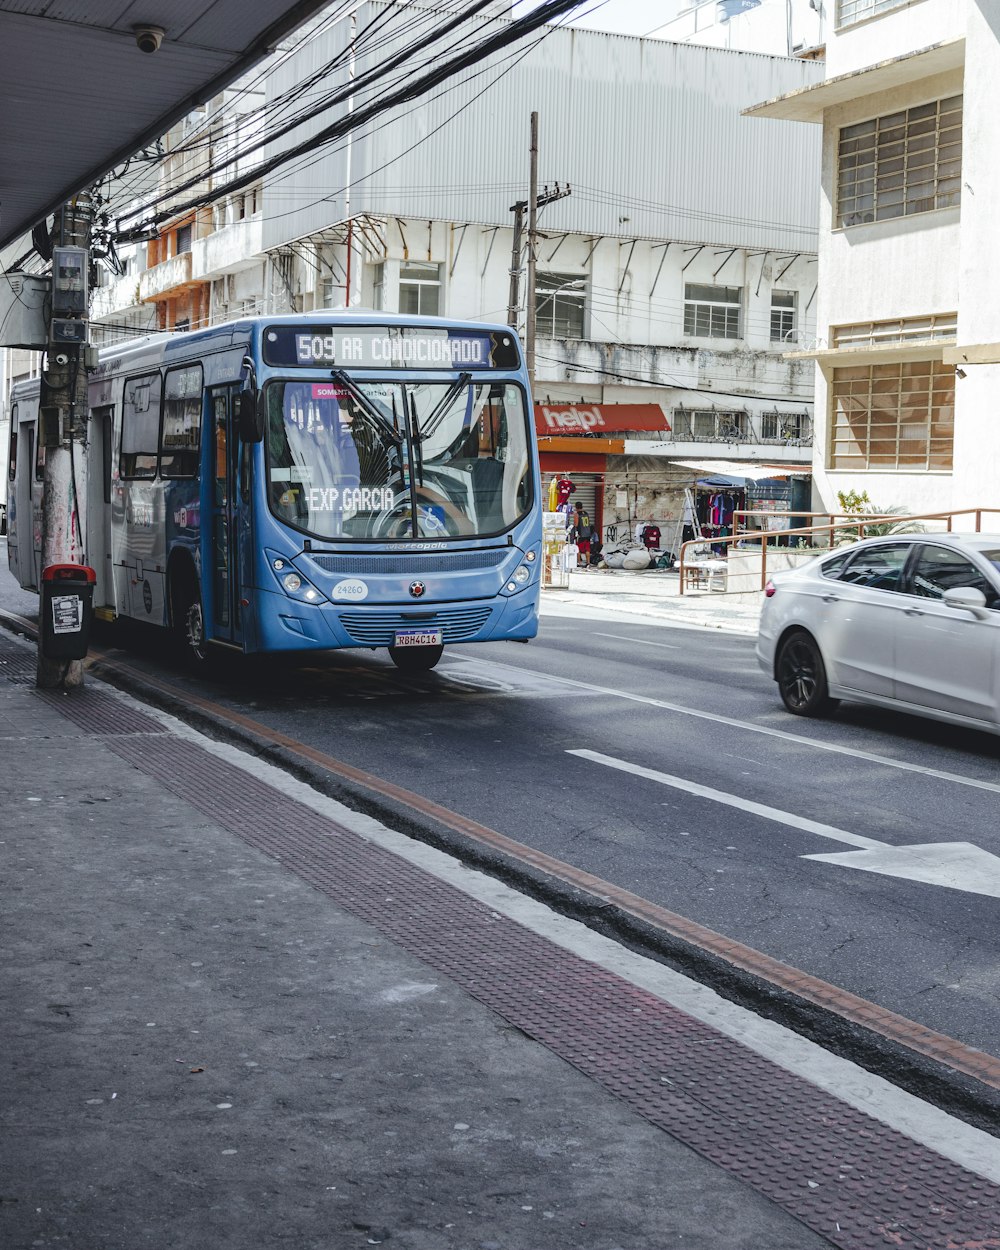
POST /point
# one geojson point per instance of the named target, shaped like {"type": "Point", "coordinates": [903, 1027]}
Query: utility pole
{"type": "Point", "coordinates": [536, 200]}
{"type": "Point", "coordinates": [62, 425]}
{"type": "Point", "coordinates": [529, 313]}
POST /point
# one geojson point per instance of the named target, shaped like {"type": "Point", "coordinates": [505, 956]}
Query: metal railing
{"type": "Point", "coordinates": [848, 522]}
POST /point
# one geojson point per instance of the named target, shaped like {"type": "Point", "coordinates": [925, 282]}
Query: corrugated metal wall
{"type": "Point", "coordinates": [648, 133]}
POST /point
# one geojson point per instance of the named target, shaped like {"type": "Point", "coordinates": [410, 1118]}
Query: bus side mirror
{"type": "Point", "coordinates": [248, 409]}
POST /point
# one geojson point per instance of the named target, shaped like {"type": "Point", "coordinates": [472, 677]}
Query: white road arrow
{"type": "Point", "coordinates": [958, 865]}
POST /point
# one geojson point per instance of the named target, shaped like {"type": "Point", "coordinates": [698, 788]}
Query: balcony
{"type": "Point", "coordinates": [117, 297]}
{"type": "Point", "coordinates": [769, 437]}
{"type": "Point", "coordinates": [234, 247]}
{"type": "Point", "coordinates": [166, 278]}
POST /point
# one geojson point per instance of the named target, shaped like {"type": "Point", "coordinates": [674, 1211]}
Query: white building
{"type": "Point", "coordinates": [671, 280]}
{"type": "Point", "coordinates": [908, 345]}
{"type": "Point", "coordinates": [777, 27]}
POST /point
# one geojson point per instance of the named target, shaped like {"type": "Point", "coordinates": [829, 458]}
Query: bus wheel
{"type": "Point", "coordinates": [189, 623]}
{"type": "Point", "coordinates": [415, 659]}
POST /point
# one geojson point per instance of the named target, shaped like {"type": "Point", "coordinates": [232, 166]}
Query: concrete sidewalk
{"type": "Point", "coordinates": [655, 594]}
{"type": "Point", "coordinates": [239, 1015]}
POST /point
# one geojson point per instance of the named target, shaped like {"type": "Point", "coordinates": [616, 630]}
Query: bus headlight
{"type": "Point", "coordinates": [522, 574]}
{"type": "Point", "coordinates": [295, 584]}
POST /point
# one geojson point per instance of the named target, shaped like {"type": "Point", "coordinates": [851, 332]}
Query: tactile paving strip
{"type": "Point", "coordinates": [97, 712]}
{"type": "Point", "coordinates": [88, 707]}
{"type": "Point", "coordinates": [845, 1175]}
{"type": "Point", "coordinates": [17, 662]}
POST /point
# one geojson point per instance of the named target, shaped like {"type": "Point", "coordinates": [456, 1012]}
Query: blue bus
{"type": "Point", "coordinates": [305, 482]}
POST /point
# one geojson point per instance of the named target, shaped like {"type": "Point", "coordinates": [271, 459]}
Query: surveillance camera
{"type": "Point", "coordinates": [61, 358]}
{"type": "Point", "coordinates": [148, 38]}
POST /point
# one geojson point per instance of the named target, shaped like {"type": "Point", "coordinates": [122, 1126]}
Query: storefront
{"type": "Point", "coordinates": [575, 441]}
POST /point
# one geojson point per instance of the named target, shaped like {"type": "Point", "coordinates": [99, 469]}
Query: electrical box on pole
{"type": "Point", "coordinates": [70, 294]}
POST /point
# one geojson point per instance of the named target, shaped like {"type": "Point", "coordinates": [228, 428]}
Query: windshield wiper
{"type": "Point", "coordinates": [441, 407]}
{"type": "Point", "coordinates": [367, 407]}
{"type": "Point", "coordinates": [417, 439]}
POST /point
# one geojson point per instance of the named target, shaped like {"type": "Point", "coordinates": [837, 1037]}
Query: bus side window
{"type": "Point", "coordinates": [106, 418]}
{"type": "Point", "coordinates": [12, 451]}
{"type": "Point", "coordinates": [141, 426]}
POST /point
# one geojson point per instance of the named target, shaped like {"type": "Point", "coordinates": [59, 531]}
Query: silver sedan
{"type": "Point", "coordinates": [908, 622]}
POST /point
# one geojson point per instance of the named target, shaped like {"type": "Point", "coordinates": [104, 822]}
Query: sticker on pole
{"type": "Point", "coordinates": [67, 614]}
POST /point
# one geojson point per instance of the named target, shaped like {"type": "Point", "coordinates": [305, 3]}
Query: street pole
{"type": "Point", "coordinates": [62, 425]}
{"type": "Point", "coordinates": [529, 316]}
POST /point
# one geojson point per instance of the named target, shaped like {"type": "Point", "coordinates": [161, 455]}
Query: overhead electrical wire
{"type": "Point", "coordinates": [514, 32]}
{"type": "Point", "coordinates": [341, 94]}
{"type": "Point", "coordinates": [362, 43]}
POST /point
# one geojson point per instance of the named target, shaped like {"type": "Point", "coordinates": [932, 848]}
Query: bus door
{"type": "Point", "coordinates": [228, 519]}
{"type": "Point", "coordinates": [98, 528]}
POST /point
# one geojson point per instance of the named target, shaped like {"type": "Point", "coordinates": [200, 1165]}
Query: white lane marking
{"type": "Point", "coordinates": [783, 734]}
{"type": "Point", "coordinates": [644, 642]}
{"type": "Point", "coordinates": [732, 800]}
{"type": "Point", "coordinates": [957, 865]}
{"type": "Point", "coordinates": [967, 1146]}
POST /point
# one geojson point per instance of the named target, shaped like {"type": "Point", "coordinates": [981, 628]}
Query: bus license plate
{"type": "Point", "coordinates": [419, 638]}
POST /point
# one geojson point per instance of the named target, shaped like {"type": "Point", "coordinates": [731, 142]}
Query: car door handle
{"type": "Point", "coordinates": [914, 611]}
{"type": "Point", "coordinates": [831, 598]}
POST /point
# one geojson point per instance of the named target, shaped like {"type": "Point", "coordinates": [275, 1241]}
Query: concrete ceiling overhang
{"type": "Point", "coordinates": [79, 97]}
{"type": "Point", "coordinates": [809, 103]}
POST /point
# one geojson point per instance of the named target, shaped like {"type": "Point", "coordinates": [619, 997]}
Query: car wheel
{"type": "Point", "coordinates": [802, 676]}
{"type": "Point", "coordinates": [415, 659]}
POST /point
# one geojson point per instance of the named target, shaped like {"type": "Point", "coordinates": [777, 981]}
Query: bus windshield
{"type": "Point", "coordinates": [356, 458]}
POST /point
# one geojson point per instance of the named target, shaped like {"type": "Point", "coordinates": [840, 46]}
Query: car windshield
{"type": "Point", "coordinates": [993, 555]}
{"type": "Point", "coordinates": [356, 458]}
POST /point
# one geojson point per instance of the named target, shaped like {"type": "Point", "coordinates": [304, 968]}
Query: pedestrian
{"type": "Point", "coordinates": [581, 533]}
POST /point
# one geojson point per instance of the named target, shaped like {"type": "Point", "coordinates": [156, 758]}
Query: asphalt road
{"type": "Point", "coordinates": [734, 797]}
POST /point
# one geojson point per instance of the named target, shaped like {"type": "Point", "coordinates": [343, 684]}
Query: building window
{"type": "Point", "coordinates": [378, 287]}
{"type": "Point", "coordinates": [783, 316]}
{"type": "Point", "coordinates": [560, 305]}
{"type": "Point", "coordinates": [419, 289]}
{"type": "Point", "coordinates": [784, 427]}
{"type": "Point", "coordinates": [908, 162]}
{"type": "Point", "coordinates": [184, 238]}
{"type": "Point", "coordinates": [851, 11]}
{"type": "Point", "coordinates": [897, 331]}
{"type": "Point", "coordinates": [893, 416]}
{"type": "Point", "coordinates": [712, 312]}
{"type": "Point", "coordinates": [709, 425]}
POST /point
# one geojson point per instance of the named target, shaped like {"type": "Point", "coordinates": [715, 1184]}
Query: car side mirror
{"type": "Point", "coordinates": [248, 409]}
{"type": "Point", "coordinates": [968, 598]}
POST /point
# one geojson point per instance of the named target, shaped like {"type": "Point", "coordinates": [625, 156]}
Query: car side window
{"type": "Point", "coordinates": [835, 565]}
{"type": "Point", "coordinates": [878, 568]}
{"type": "Point", "coordinates": [938, 569]}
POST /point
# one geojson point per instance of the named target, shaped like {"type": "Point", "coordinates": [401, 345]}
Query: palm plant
{"type": "Point", "coordinates": [855, 507]}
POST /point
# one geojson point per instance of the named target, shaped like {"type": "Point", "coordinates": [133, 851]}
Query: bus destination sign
{"type": "Point", "coordinates": [369, 347]}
